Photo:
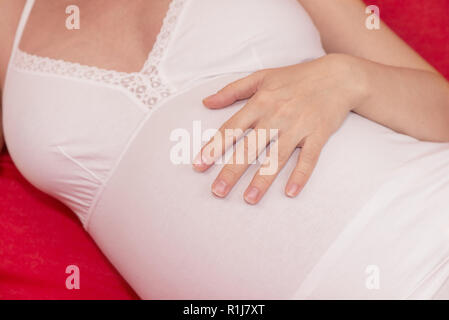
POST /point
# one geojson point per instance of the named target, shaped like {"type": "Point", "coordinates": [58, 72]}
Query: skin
{"type": "Point", "coordinates": [373, 73]}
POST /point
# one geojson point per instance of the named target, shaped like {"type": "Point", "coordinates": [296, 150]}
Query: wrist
{"type": "Point", "coordinates": [352, 78]}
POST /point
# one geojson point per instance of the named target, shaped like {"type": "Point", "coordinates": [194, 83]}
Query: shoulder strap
{"type": "Point", "coordinates": [22, 23]}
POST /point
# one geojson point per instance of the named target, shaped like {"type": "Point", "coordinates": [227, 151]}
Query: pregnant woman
{"type": "Point", "coordinates": [103, 118]}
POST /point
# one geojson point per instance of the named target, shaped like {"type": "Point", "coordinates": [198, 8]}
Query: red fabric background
{"type": "Point", "coordinates": [39, 237]}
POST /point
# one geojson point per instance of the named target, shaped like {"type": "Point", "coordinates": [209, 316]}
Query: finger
{"type": "Point", "coordinates": [237, 90]}
{"type": "Point", "coordinates": [277, 156]}
{"type": "Point", "coordinates": [247, 151]}
{"type": "Point", "coordinates": [308, 158]}
{"type": "Point", "coordinates": [231, 131]}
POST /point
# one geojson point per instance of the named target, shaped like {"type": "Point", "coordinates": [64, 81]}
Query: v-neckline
{"type": "Point", "coordinates": [155, 55]}
{"type": "Point", "coordinates": [168, 26]}
{"type": "Point", "coordinates": [148, 85]}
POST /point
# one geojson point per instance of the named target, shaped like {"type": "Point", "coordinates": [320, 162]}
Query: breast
{"type": "Point", "coordinates": [66, 135]}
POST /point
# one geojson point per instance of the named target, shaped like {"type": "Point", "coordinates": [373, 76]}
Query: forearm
{"type": "Point", "coordinates": [403, 91]}
{"type": "Point", "coordinates": [342, 27]}
{"type": "Point", "coordinates": [409, 101]}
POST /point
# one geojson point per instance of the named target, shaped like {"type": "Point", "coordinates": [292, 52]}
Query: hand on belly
{"type": "Point", "coordinates": [295, 106]}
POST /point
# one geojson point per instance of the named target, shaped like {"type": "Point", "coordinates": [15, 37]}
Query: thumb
{"type": "Point", "coordinates": [237, 90]}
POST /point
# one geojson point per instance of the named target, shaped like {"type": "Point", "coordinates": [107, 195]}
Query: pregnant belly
{"type": "Point", "coordinates": [159, 224]}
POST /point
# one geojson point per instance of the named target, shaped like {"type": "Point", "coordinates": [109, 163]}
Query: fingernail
{"type": "Point", "coordinates": [208, 98]}
{"type": "Point", "coordinates": [220, 188]}
{"type": "Point", "coordinates": [206, 159]}
{"type": "Point", "coordinates": [293, 190]}
{"type": "Point", "coordinates": [198, 163]}
{"type": "Point", "coordinates": [252, 195]}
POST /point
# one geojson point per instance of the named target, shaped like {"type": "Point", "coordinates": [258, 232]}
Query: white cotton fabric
{"type": "Point", "coordinates": [372, 222]}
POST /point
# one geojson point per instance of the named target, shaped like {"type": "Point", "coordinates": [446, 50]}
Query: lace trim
{"type": "Point", "coordinates": [147, 85]}
{"type": "Point", "coordinates": [168, 25]}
